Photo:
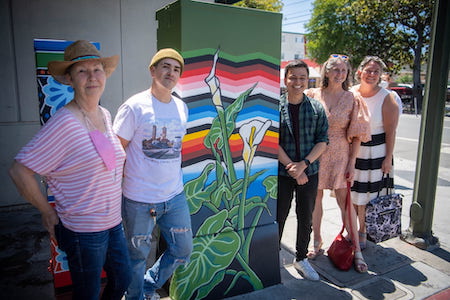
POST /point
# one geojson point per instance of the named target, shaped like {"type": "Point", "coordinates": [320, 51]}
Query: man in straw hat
{"type": "Point", "coordinates": [151, 125]}
{"type": "Point", "coordinates": [82, 161]}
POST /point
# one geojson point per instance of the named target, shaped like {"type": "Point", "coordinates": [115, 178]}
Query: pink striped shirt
{"type": "Point", "coordinates": [87, 195]}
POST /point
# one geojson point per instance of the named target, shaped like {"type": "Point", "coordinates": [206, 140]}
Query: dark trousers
{"type": "Point", "coordinates": [305, 198]}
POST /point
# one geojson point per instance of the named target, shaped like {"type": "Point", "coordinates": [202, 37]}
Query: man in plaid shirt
{"type": "Point", "coordinates": [303, 138]}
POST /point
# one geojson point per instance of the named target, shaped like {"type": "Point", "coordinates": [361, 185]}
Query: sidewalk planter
{"type": "Point", "coordinates": [231, 85]}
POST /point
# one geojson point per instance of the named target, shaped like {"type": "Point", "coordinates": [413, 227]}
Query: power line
{"type": "Point", "coordinates": [294, 3]}
{"type": "Point", "coordinates": [296, 17]}
{"type": "Point", "coordinates": [298, 12]}
{"type": "Point", "coordinates": [299, 20]}
{"type": "Point", "coordinates": [287, 24]}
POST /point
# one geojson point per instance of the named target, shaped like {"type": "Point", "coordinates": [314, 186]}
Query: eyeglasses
{"type": "Point", "coordinates": [374, 72]}
{"type": "Point", "coordinates": [341, 56]}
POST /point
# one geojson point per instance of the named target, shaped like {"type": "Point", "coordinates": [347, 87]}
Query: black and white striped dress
{"type": "Point", "coordinates": [368, 174]}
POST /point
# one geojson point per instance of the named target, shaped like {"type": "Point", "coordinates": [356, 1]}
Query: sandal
{"type": "Point", "coordinates": [312, 254]}
{"type": "Point", "coordinates": [362, 240]}
{"type": "Point", "coordinates": [360, 264]}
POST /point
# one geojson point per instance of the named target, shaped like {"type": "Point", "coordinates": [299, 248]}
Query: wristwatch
{"type": "Point", "coordinates": [307, 162]}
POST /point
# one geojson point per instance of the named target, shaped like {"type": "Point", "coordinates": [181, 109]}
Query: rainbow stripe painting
{"type": "Point", "coordinates": [234, 75]}
{"type": "Point", "coordinates": [231, 85]}
{"type": "Point", "coordinates": [229, 163]}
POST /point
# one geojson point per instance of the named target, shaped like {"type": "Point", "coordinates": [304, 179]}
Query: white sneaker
{"type": "Point", "coordinates": [306, 270]}
{"type": "Point", "coordinates": [154, 296]}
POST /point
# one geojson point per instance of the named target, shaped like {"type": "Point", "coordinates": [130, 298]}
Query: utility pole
{"type": "Point", "coordinates": [419, 232]}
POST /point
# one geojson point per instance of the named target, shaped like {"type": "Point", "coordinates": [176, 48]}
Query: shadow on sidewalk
{"type": "Point", "coordinates": [24, 255]}
{"type": "Point", "coordinates": [442, 253]}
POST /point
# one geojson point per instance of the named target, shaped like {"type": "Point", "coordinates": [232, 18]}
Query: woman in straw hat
{"type": "Point", "coordinates": [82, 161]}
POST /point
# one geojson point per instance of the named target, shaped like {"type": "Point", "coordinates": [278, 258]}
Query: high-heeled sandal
{"type": "Point", "coordinates": [312, 254]}
{"type": "Point", "coordinates": [360, 263]}
{"type": "Point", "coordinates": [362, 240]}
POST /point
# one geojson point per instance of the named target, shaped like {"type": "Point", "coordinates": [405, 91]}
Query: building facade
{"type": "Point", "coordinates": [293, 46]}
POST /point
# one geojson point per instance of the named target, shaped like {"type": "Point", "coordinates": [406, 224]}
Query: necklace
{"type": "Point", "coordinates": [103, 144]}
{"type": "Point", "coordinates": [89, 123]}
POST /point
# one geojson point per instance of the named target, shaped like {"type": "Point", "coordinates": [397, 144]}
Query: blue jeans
{"type": "Point", "coordinates": [89, 252]}
{"type": "Point", "coordinates": [174, 222]}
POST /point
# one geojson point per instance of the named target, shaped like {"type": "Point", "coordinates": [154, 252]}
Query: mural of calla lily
{"type": "Point", "coordinates": [252, 133]}
{"type": "Point", "coordinates": [222, 241]}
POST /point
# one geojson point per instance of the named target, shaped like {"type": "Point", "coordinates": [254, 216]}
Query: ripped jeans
{"type": "Point", "coordinates": [174, 221]}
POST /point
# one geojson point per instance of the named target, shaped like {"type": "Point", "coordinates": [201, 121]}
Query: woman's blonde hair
{"type": "Point", "coordinates": [328, 65]}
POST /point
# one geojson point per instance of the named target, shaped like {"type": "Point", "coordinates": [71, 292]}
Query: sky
{"type": "Point", "coordinates": [296, 13]}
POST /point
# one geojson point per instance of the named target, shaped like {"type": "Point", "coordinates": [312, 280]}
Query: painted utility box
{"type": "Point", "coordinates": [231, 85]}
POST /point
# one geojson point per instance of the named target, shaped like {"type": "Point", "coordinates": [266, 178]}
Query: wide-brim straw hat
{"type": "Point", "coordinates": [78, 51]}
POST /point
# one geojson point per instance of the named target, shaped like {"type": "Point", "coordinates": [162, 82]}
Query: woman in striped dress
{"type": "Point", "coordinates": [375, 158]}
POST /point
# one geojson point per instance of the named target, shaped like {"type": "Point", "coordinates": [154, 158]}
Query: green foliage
{"type": "Point", "coordinates": [196, 191]}
{"type": "Point", "coordinates": [397, 31]}
{"type": "Point", "coordinates": [211, 255]}
{"type": "Point", "coordinates": [326, 31]}
{"type": "Point", "coordinates": [214, 136]}
{"type": "Point", "coordinates": [222, 242]}
{"type": "Point", "coordinates": [405, 79]}
{"type": "Point", "coordinates": [269, 5]}
{"type": "Point", "coordinates": [270, 184]}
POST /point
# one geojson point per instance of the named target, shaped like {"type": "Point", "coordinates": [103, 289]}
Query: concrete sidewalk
{"type": "Point", "coordinates": [397, 270]}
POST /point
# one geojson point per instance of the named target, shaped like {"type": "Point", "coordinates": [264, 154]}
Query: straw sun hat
{"type": "Point", "coordinates": [80, 51]}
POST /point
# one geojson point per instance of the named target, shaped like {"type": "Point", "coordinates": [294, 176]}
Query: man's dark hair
{"type": "Point", "coordinates": [295, 64]}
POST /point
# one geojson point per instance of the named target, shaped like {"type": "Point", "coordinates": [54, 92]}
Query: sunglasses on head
{"type": "Point", "coordinates": [341, 56]}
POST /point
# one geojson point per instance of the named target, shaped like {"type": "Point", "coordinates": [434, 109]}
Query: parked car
{"type": "Point", "coordinates": [405, 85]}
{"type": "Point", "coordinates": [404, 91]}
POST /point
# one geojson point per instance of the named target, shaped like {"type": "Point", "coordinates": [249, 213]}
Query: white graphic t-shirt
{"type": "Point", "coordinates": [155, 131]}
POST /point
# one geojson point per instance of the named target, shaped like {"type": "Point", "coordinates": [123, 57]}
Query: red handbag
{"type": "Point", "coordinates": [342, 251]}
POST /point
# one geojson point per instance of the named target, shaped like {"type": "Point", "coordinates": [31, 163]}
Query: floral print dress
{"type": "Point", "coordinates": [348, 119]}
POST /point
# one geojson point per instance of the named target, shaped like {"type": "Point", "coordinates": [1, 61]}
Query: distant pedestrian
{"type": "Point", "coordinates": [82, 161]}
{"type": "Point", "coordinates": [375, 158]}
{"type": "Point", "coordinates": [386, 82]}
{"type": "Point", "coordinates": [151, 126]}
{"type": "Point", "coordinates": [303, 138]}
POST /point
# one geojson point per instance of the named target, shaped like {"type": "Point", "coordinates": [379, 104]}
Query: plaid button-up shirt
{"type": "Point", "coordinates": [313, 129]}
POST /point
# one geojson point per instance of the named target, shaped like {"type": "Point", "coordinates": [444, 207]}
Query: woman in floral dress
{"type": "Point", "coordinates": [348, 120]}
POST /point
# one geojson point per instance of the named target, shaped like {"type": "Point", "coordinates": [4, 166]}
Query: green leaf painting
{"type": "Point", "coordinates": [222, 241]}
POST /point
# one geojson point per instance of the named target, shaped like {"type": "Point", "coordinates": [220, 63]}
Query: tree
{"type": "Point", "coordinates": [269, 5]}
{"type": "Point", "coordinates": [329, 31]}
{"type": "Point", "coordinates": [397, 31]}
